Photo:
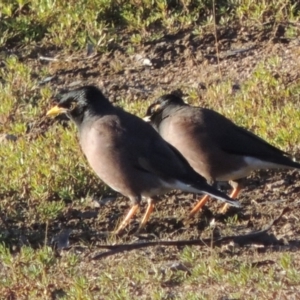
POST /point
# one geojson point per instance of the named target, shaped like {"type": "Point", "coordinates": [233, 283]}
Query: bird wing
{"type": "Point", "coordinates": [149, 151]}
{"type": "Point", "coordinates": [236, 140]}
{"type": "Point", "coordinates": [159, 157]}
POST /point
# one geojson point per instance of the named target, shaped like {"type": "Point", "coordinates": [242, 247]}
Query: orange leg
{"type": "Point", "coordinates": [199, 205]}
{"type": "Point", "coordinates": [128, 217]}
{"type": "Point", "coordinates": [233, 195]}
{"type": "Point", "coordinates": [148, 212]}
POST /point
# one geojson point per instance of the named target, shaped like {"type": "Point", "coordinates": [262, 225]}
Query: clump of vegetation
{"type": "Point", "coordinates": [73, 24]}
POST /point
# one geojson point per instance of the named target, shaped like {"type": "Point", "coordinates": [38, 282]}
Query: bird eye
{"type": "Point", "coordinates": [73, 105]}
{"type": "Point", "coordinates": [156, 108]}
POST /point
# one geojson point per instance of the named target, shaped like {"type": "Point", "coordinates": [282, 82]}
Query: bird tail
{"type": "Point", "coordinates": [213, 192]}
{"type": "Point", "coordinates": [290, 164]}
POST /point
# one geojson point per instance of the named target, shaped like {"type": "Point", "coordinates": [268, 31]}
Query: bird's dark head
{"type": "Point", "coordinates": [77, 103]}
{"type": "Point", "coordinates": [161, 107]}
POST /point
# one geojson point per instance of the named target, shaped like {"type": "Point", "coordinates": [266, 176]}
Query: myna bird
{"type": "Point", "coordinates": [127, 153]}
{"type": "Point", "coordinates": [214, 146]}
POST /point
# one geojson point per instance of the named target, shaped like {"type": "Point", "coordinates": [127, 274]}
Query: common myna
{"type": "Point", "coordinates": [127, 153]}
{"type": "Point", "coordinates": [214, 146]}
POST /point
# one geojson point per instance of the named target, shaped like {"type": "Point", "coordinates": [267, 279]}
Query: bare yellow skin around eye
{"type": "Point", "coordinates": [156, 107]}
{"type": "Point", "coordinates": [73, 106]}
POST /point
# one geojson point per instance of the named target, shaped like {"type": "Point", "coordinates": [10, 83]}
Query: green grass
{"type": "Point", "coordinates": [73, 24]}
{"type": "Point", "coordinates": [45, 178]}
{"type": "Point", "coordinates": [41, 273]}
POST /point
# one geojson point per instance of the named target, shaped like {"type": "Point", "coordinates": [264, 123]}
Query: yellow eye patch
{"type": "Point", "coordinates": [156, 107]}
{"type": "Point", "coordinates": [73, 105]}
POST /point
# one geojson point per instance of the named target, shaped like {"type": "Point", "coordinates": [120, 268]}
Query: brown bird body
{"type": "Point", "coordinates": [214, 146]}
{"type": "Point", "coordinates": [108, 137]}
{"type": "Point", "coordinates": [127, 153]}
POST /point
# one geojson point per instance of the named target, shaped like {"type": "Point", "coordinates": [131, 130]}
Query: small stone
{"type": "Point", "coordinates": [7, 137]}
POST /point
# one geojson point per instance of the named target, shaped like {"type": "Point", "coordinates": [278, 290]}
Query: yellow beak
{"type": "Point", "coordinates": [55, 111]}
